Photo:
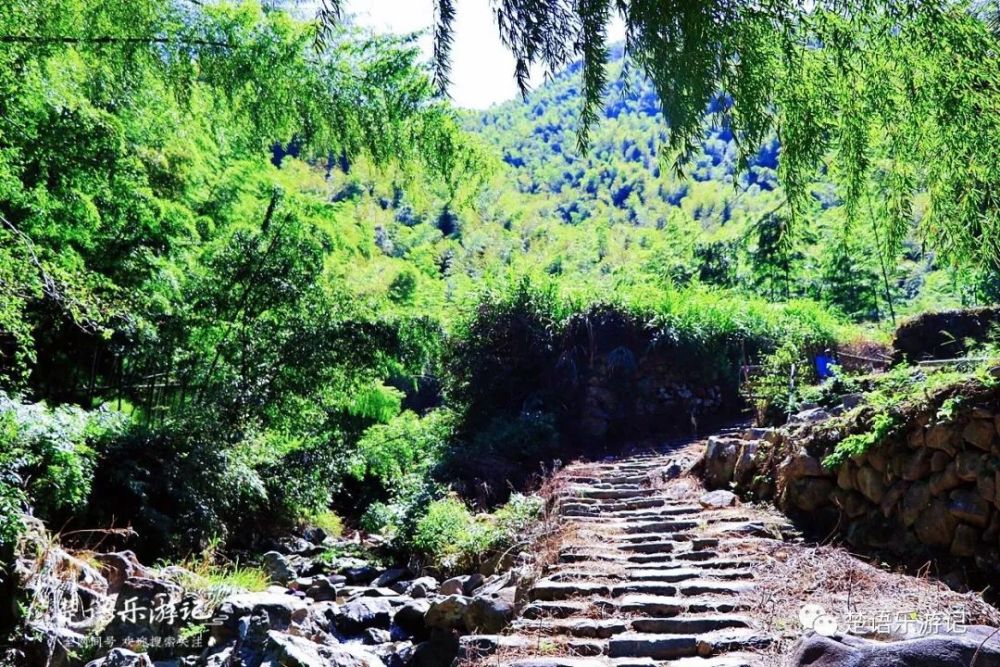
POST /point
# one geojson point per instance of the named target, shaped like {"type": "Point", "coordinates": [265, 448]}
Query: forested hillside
{"type": "Point", "coordinates": [717, 222]}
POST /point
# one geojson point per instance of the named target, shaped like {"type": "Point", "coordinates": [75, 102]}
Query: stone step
{"type": "Point", "coordinates": [713, 587]}
{"type": "Point", "coordinates": [729, 660]}
{"type": "Point", "coordinates": [732, 639]}
{"type": "Point", "coordinates": [575, 556]}
{"type": "Point", "coordinates": [554, 609]}
{"type": "Point", "coordinates": [479, 646]}
{"type": "Point", "coordinates": [658, 647]}
{"type": "Point", "coordinates": [695, 624]}
{"type": "Point", "coordinates": [597, 492]}
{"type": "Point", "coordinates": [671, 646]}
{"type": "Point", "coordinates": [660, 546]}
{"type": "Point", "coordinates": [667, 606]}
{"type": "Point", "coordinates": [659, 527]}
{"type": "Point", "coordinates": [685, 573]}
{"type": "Point", "coordinates": [644, 587]}
{"type": "Point", "coordinates": [589, 628]}
{"type": "Point", "coordinates": [546, 590]}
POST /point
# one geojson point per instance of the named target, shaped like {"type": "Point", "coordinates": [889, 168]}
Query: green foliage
{"type": "Point", "coordinates": [451, 536]}
{"type": "Point", "coordinates": [47, 459]}
{"type": "Point", "coordinates": [903, 391]}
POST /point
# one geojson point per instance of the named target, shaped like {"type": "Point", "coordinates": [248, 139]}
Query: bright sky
{"type": "Point", "coordinates": [482, 69]}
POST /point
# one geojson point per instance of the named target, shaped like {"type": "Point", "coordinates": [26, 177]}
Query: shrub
{"type": "Point", "coordinates": [47, 458]}
{"type": "Point", "coordinates": [446, 529]}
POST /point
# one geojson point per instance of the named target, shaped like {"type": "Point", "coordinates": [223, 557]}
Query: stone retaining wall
{"type": "Point", "coordinates": [929, 493]}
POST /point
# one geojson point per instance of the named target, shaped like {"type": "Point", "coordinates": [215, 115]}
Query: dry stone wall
{"type": "Point", "coordinates": [929, 493]}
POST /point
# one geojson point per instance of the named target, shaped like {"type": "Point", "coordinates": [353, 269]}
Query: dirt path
{"type": "Point", "coordinates": [646, 575]}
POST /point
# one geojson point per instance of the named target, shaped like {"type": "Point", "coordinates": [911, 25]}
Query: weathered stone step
{"type": "Point", "coordinates": [659, 527]}
{"type": "Point", "coordinates": [731, 639]}
{"type": "Point", "coordinates": [588, 628]}
{"type": "Point", "coordinates": [577, 556]}
{"type": "Point", "coordinates": [684, 573]}
{"type": "Point", "coordinates": [555, 609]}
{"type": "Point", "coordinates": [660, 546]}
{"type": "Point", "coordinates": [661, 605]}
{"type": "Point", "coordinates": [696, 624]}
{"type": "Point", "coordinates": [547, 590]}
{"type": "Point", "coordinates": [729, 660]}
{"type": "Point", "coordinates": [597, 492]}
{"type": "Point", "coordinates": [670, 646]}
{"type": "Point", "coordinates": [569, 661]}
{"type": "Point", "coordinates": [713, 587]}
{"type": "Point", "coordinates": [478, 646]}
{"type": "Point", "coordinates": [658, 647]}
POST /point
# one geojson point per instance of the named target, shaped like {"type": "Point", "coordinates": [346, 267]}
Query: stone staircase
{"type": "Point", "coordinates": [645, 575]}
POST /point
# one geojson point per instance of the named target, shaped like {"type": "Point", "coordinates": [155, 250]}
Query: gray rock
{"type": "Point", "coordinates": [447, 613]}
{"type": "Point", "coordinates": [936, 525]}
{"type": "Point", "coordinates": [291, 651]}
{"type": "Point", "coordinates": [279, 568]}
{"type": "Point", "coordinates": [375, 636]}
{"type": "Point", "coordinates": [410, 617]}
{"type": "Point", "coordinates": [389, 577]}
{"type": "Point", "coordinates": [488, 615]}
{"type": "Point", "coordinates": [280, 610]}
{"type": "Point", "coordinates": [135, 609]}
{"type": "Point", "coordinates": [420, 588]}
{"type": "Point", "coordinates": [809, 416]}
{"type": "Point", "coordinates": [453, 586]}
{"type": "Point", "coordinates": [120, 657]}
{"type": "Point", "coordinates": [959, 650]}
{"type": "Point", "coordinates": [358, 615]}
{"type": "Point", "coordinates": [363, 574]}
{"type": "Point", "coordinates": [718, 499]}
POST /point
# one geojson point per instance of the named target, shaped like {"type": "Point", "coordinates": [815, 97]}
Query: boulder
{"type": "Point", "coordinates": [801, 464]}
{"type": "Point", "coordinates": [970, 507]}
{"type": "Point", "coordinates": [439, 652]}
{"type": "Point", "coordinates": [389, 577]}
{"type": "Point", "coordinates": [375, 636]}
{"type": "Point", "coordinates": [745, 467]}
{"type": "Point", "coordinates": [410, 617]}
{"type": "Point", "coordinates": [280, 610]}
{"type": "Point", "coordinates": [420, 588]}
{"type": "Point", "coordinates": [118, 566]}
{"type": "Point", "coordinates": [979, 433]}
{"type": "Point", "coordinates": [944, 481]}
{"type": "Point", "coordinates": [453, 586]}
{"type": "Point", "coordinates": [488, 615]}
{"type": "Point", "coordinates": [447, 613]}
{"type": "Point", "coordinates": [279, 569]}
{"type": "Point", "coordinates": [978, 645]}
{"type": "Point", "coordinates": [915, 500]}
{"type": "Point", "coordinates": [808, 493]}
{"type": "Point", "coordinates": [718, 499]}
{"type": "Point", "coordinates": [324, 589]}
{"type": "Point", "coordinates": [871, 484]}
{"type": "Point", "coordinates": [136, 614]}
{"type": "Point", "coordinates": [359, 574]}
{"type": "Point", "coordinates": [120, 657]}
{"type": "Point", "coordinates": [912, 465]}
{"type": "Point", "coordinates": [362, 613]}
{"type": "Point", "coordinates": [720, 459]}
{"type": "Point", "coordinates": [936, 525]}
{"type": "Point", "coordinates": [966, 540]}
{"type": "Point", "coordinates": [940, 436]}
{"type": "Point", "coordinates": [969, 464]}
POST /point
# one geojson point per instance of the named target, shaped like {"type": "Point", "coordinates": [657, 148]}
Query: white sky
{"type": "Point", "coordinates": [482, 70]}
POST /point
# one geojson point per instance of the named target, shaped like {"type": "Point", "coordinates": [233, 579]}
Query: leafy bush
{"type": "Point", "coordinates": [47, 458]}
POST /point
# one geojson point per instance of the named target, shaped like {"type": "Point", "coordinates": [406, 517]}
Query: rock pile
{"type": "Point", "coordinates": [317, 613]}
